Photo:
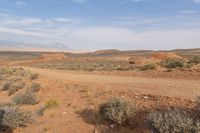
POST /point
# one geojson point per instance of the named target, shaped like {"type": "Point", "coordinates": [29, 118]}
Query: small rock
{"type": "Point", "coordinates": [64, 113]}
{"type": "Point", "coordinates": [145, 97]}
{"type": "Point", "coordinates": [112, 126]}
{"type": "Point", "coordinates": [136, 97]}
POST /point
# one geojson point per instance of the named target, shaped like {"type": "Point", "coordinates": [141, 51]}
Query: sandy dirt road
{"type": "Point", "coordinates": [181, 88]}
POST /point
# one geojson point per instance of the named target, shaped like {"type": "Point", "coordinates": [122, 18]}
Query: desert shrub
{"type": "Point", "coordinates": [116, 110]}
{"type": "Point", "coordinates": [6, 104]}
{"type": "Point", "coordinates": [13, 117]}
{"type": "Point", "coordinates": [172, 63]}
{"type": "Point", "coordinates": [25, 98]}
{"type": "Point", "coordinates": [149, 67]}
{"type": "Point", "coordinates": [40, 111]}
{"type": "Point", "coordinates": [15, 87]}
{"type": "Point", "coordinates": [195, 60]}
{"type": "Point", "coordinates": [173, 121]}
{"type": "Point", "coordinates": [2, 77]}
{"type": "Point", "coordinates": [51, 103]}
{"type": "Point", "coordinates": [34, 87]}
{"type": "Point", "coordinates": [6, 86]}
{"type": "Point", "coordinates": [33, 76]}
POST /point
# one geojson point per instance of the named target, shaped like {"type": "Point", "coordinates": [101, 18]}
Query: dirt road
{"type": "Point", "coordinates": [181, 88]}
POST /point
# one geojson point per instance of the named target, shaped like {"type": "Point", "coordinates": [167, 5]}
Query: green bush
{"type": "Point", "coordinates": [173, 121]}
{"type": "Point", "coordinates": [25, 98]}
{"type": "Point", "coordinates": [51, 103]}
{"type": "Point", "coordinates": [13, 117]}
{"type": "Point", "coordinates": [195, 60]}
{"type": "Point", "coordinates": [116, 110]}
{"type": "Point", "coordinates": [149, 67]}
{"type": "Point", "coordinates": [173, 63]}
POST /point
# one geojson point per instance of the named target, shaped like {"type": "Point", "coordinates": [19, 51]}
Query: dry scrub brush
{"type": "Point", "coordinates": [25, 98]}
{"type": "Point", "coordinates": [173, 121]}
{"type": "Point", "coordinates": [117, 110]}
{"type": "Point", "coordinates": [12, 117]}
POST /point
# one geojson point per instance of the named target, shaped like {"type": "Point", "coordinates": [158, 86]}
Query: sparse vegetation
{"type": "Point", "coordinates": [15, 87]}
{"type": "Point", "coordinates": [97, 65]}
{"type": "Point", "coordinates": [116, 110]}
{"type": "Point", "coordinates": [40, 111]}
{"type": "Point", "coordinates": [173, 121]}
{"type": "Point", "coordinates": [34, 87]}
{"type": "Point", "coordinates": [6, 104]}
{"type": "Point", "coordinates": [6, 86]}
{"type": "Point", "coordinates": [51, 103]}
{"type": "Point", "coordinates": [195, 60]}
{"type": "Point", "coordinates": [172, 63]}
{"type": "Point", "coordinates": [33, 76]}
{"type": "Point", "coordinates": [12, 117]}
{"type": "Point", "coordinates": [25, 98]}
{"type": "Point", "coordinates": [149, 67]}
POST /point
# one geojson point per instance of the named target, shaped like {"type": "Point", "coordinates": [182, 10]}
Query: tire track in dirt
{"type": "Point", "coordinates": [181, 88]}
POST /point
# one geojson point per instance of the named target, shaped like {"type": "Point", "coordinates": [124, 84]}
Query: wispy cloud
{"type": "Point", "coordinates": [197, 1]}
{"type": "Point", "coordinates": [187, 12]}
{"type": "Point", "coordinates": [79, 1]}
{"type": "Point", "coordinates": [20, 3]}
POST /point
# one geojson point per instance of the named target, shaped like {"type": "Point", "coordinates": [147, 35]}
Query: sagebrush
{"type": "Point", "coordinates": [117, 110]}
{"type": "Point", "coordinates": [12, 117]}
{"type": "Point", "coordinates": [25, 98]}
{"type": "Point", "coordinates": [173, 121]}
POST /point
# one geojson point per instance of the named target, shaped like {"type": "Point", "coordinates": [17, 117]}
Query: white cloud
{"type": "Point", "coordinates": [4, 15]}
{"type": "Point", "coordinates": [20, 3]}
{"type": "Point", "coordinates": [197, 1]}
{"type": "Point", "coordinates": [187, 12]}
{"type": "Point", "coordinates": [21, 32]}
{"type": "Point", "coordinates": [79, 1]}
{"type": "Point", "coordinates": [65, 20]}
{"type": "Point", "coordinates": [123, 38]}
{"type": "Point", "coordinates": [102, 37]}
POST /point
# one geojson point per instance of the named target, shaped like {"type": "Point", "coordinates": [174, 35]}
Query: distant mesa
{"type": "Point", "coordinates": [52, 56]}
{"type": "Point", "coordinates": [106, 51]}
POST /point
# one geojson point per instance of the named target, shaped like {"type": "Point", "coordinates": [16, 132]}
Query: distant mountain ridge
{"type": "Point", "coordinates": [26, 45]}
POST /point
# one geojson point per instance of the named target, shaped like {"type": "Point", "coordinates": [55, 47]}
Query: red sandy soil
{"type": "Point", "coordinates": [182, 88]}
{"type": "Point", "coordinates": [79, 95]}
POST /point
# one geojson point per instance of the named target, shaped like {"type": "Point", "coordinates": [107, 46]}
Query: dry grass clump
{"type": "Point", "coordinates": [12, 117]}
{"type": "Point", "coordinates": [33, 76]}
{"type": "Point", "coordinates": [40, 111]}
{"type": "Point", "coordinates": [15, 87]}
{"type": "Point", "coordinates": [6, 104]}
{"type": "Point", "coordinates": [51, 103]}
{"type": "Point", "coordinates": [25, 98]}
{"type": "Point", "coordinates": [117, 110]}
{"type": "Point", "coordinates": [173, 121]}
{"type": "Point", "coordinates": [34, 87]}
{"type": "Point", "coordinates": [6, 85]}
{"type": "Point", "coordinates": [149, 67]}
{"type": "Point", "coordinates": [173, 63]}
{"type": "Point", "coordinates": [195, 60]}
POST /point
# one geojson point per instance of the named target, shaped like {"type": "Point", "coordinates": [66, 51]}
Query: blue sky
{"type": "Point", "coordinates": [103, 24]}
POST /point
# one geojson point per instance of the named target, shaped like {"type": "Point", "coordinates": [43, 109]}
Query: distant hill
{"type": "Point", "coordinates": [12, 45]}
